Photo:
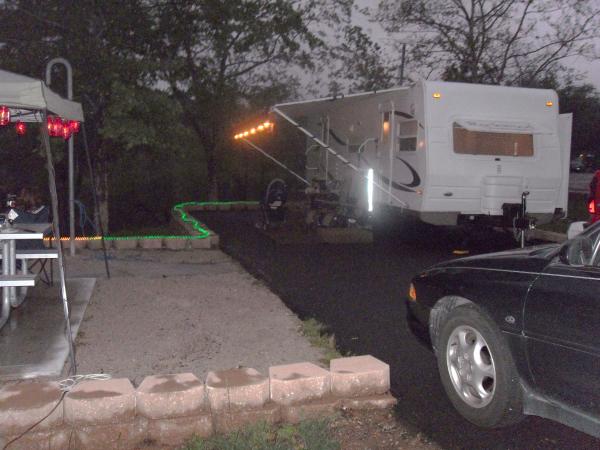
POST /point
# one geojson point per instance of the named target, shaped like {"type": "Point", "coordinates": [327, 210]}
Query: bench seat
{"type": "Point", "coordinates": [17, 280]}
{"type": "Point", "coordinates": [44, 253]}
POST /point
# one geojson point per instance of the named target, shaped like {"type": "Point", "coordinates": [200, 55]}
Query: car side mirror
{"type": "Point", "coordinates": [577, 252]}
{"type": "Point", "coordinates": [575, 229]}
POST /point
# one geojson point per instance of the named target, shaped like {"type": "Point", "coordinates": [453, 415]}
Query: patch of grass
{"type": "Point", "coordinates": [310, 434]}
{"type": "Point", "coordinates": [318, 336]}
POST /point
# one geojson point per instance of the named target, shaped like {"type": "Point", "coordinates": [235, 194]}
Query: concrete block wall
{"type": "Point", "coordinates": [170, 409]}
{"type": "Point", "coordinates": [213, 240]}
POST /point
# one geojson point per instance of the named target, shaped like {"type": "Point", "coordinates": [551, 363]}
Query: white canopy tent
{"type": "Point", "coordinates": [28, 95]}
{"type": "Point", "coordinates": [30, 100]}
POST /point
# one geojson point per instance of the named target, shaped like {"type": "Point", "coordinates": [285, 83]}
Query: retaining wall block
{"type": "Point", "coordinates": [324, 407]}
{"type": "Point", "coordinates": [226, 421]}
{"type": "Point", "coordinates": [253, 207]}
{"type": "Point", "coordinates": [151, 244]}
{"type": "Point", "coordinates": [358, 376]}
{"type": "Point", "coordinates": [125, 244]}
{"type": "Point", "coordinates": [383, 401]}
{"type": "Point", "coordinates": [211, 207]}
{"type": "Point", "coordinates": [80, 244]}
{"type": "Point", "coordinates": [177, 430]}
{"type": "Point", "coordinates": [96, 402]}
{"type": "Point", "coordinates": [225, 207]}
{"type": "Point", "coordinates": [300, 382]}
{"type": "Point", "coordinates": [176, 243]}
{"type": "Point", "coordinates": [56, 439]}
{"type": "Point", "coordinates": [214, 240]}
{"type": "Point", "coordinates": [170, 396]}
{"type": "Point", "coordinates": [96, 244]}
{"type": "Point", "coordinates": [24, 404]}
{"type": "Point", "coordinates": [236, 389]}
{"type": "Point", "coordinates": [201, 243]}
{"type": "Point", "coordinates": [115, 436]}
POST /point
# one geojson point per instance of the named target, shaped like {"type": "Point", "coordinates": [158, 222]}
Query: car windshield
{"type": "Point", "coordinates": [592, 237]}
{"type": "Point", "coordinates": [592, 231]}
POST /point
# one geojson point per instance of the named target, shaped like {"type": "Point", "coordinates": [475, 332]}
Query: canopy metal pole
{"type": "Point", "coordinates": [256, 147]}
{"type": "Point", "coordinates": [56, 231]}
{"type": "Point", "coordinates": [337, 155]}
{"type": "Point", "coordinates": [95, 197]}
{"type": "Point", "coordinates": [69, 69]}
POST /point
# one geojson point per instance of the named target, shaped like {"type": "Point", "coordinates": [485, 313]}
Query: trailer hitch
{"type": "Point", "coordinates": [522, 222]}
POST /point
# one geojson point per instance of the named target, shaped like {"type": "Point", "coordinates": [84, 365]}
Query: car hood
{"type": "Point", "coordinates": [531, 259]}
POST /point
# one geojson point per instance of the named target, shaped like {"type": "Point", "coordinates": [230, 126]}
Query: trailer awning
{"type": "Point", "coordinates": [499, 126]}
{"type": "Point", "coordinates": [328, 105]}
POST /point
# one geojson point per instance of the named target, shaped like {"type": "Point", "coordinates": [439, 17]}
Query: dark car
{"type": "Point", "coordinates": [517, 332]}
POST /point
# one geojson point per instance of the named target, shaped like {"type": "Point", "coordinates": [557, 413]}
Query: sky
{"type": "Point", "coordinates": [590, 70]}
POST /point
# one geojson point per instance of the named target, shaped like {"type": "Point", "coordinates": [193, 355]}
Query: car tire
{"type": "Point", "coordinates": [477, 369]}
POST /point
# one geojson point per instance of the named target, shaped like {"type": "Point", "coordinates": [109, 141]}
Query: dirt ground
{"type": "Point", "coordinates": [181, 311]}
{"type": "Point", "coordinates": [376, 430]}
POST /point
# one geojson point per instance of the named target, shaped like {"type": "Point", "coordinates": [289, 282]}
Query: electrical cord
{"type": "Point", "coordinates": [65, 386]}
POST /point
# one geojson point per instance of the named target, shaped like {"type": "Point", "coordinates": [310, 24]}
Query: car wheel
{"type": "Point", "coordinates": [477, 369]}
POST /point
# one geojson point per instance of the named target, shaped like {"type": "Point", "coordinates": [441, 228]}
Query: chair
{"type": "Point", "coordinates": [33, 249]}
{"type": "Point", "coordinates": [272, 204]}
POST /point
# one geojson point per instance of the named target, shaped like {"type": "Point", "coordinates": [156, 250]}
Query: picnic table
{"type": "Point", "coordinates": [14, 286]}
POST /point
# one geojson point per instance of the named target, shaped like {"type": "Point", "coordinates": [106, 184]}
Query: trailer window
{"type": "Point", "coordinates": [407, 135]}
{"type": "Point", "coordinates": [488, 143]}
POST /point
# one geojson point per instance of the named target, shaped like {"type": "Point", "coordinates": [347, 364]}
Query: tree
{"type": "Point", "coordinates": [359, 62]}
{"type": "Point", "coordinates": [215, 55]}
{"type": "Point", "coordinates": [584, 102]}
{"type": "Point", "coordinates": [103, 41]}
{"type": "Point", "coordinates": [154, 169]}
{"type": "Point", "coordinates": [492, 41]}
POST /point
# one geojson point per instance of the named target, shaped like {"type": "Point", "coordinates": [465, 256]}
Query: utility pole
{"type": "Point", "coordinates": [402, 63]}
{"type": "Point", "coordinates": [67, 65]}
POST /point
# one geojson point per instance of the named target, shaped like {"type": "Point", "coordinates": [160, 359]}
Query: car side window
{"type": "Point", "coordinates": [595, 258]}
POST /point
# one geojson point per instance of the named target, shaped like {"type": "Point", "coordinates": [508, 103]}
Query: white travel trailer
{"type": "Point", "coordinates": [450, 153]}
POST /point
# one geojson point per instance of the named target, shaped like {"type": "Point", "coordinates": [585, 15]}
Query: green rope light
{"type": "Point", "coordinates": [203, 233]}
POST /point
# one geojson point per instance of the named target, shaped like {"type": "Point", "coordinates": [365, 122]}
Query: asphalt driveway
{"type": "Point", "coordinates": [358, 291]}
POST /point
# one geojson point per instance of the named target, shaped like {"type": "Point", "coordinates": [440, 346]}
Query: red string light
{"type": "Point", "coordinates": [50, 124]}
{"type": "Point", "coordinates": [66, 131]}
{"type": "Point", "coordinates": [74, 125]}
{"type": "Point", "coordinates": [20, 128]}
{"type": "Point", "coordinates": [4, 115]}
{"type": "Point", "coordinates": [62, 128]}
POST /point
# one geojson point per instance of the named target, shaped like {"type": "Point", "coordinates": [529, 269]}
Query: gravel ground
{"type": "Point", "coordinates": [187, 311]}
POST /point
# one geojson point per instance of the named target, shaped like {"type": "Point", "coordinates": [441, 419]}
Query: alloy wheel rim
{"type": "Point", "coordinates": [471, 366]}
